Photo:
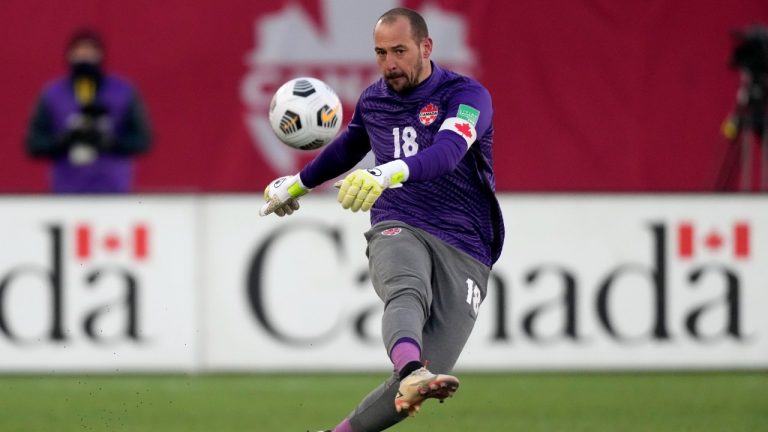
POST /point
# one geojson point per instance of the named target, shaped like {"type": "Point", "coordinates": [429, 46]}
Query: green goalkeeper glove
{"type": "Point", "coordinates": [361, 188]}
{"type": "Point", "coordinates": [282, 196]}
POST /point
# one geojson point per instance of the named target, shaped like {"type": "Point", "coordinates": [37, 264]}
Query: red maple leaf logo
{"type": "Point", "coordinates": [89, 241]}
{"type": "Point", "coordinates": [738, 240]}
{"type": "Point", "coordinates": [714, 240]}
{"type": "Point", "coordinates": [464, 129]}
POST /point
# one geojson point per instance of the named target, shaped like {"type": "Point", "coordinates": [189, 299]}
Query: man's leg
{"type": "Point", "coordinates": [400, 269]}
{"type": "Point", "coordinates": [458, 286]}
{"type": "Point", "coordinates": [403, 276]}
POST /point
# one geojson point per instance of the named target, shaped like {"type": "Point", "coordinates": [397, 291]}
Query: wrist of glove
{"type": "Point", "coordinates": [282, 196]}
{"type": "Point", "coordinates": [361, 188]}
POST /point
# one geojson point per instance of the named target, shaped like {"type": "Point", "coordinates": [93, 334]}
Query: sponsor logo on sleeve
{"type": "Point", "coordinates": [468, 113]}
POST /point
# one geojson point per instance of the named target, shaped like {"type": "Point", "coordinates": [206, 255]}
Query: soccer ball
{"type": "Point", "coordinates": [305, 113]}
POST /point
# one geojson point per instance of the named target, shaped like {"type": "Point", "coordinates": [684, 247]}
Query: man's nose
{"type": "Point", "coordinates": [390, 63]}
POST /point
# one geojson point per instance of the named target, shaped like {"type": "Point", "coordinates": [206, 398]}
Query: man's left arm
{"type": "Point", "coordinates": [469, 117]}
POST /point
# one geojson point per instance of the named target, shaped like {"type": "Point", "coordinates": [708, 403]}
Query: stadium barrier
{"type": "Point", "coordinates": [194, 283]}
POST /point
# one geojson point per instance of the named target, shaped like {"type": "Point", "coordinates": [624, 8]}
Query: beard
{"type": "Point", "coordinates": [411, 80]}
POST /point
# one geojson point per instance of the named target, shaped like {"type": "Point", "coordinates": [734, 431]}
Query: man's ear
{"type": "Point", "coordinates": [427, 48]}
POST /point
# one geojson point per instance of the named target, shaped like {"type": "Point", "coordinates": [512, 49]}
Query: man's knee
{"type": "Point", "coordinates": [404, 285]}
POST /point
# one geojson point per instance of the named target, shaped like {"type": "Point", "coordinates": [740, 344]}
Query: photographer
{"type": "Point", "coordinates": [89, 123]}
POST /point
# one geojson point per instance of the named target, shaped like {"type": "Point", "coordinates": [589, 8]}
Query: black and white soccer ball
{"type": "Point", "coordinates": [305, 113]}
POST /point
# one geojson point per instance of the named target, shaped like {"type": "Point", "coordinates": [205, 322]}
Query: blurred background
{"type": "Point", "coordinates": [589, 95]}
{"type": "Point", "coordinates": [630, 162]}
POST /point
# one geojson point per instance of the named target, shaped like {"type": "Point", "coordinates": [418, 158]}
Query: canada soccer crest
{"type": "Point", "coordinates": [428, 114]}
{"type": "Point", "coordinates": [392, 231]}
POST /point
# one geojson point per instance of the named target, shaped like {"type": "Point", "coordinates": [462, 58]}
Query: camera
{"type": "Point", "coordinates": [751, 51]}
{"type": "Point", "coordinates": [88, 134]}
{"type": "Point", "coordinates": [750, 56]}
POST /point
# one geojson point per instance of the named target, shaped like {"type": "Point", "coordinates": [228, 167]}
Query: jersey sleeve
{"type": "Point", "coordinates": [343, 153]}
{"type": "Point", "coordinates": [41, 140]}
{"type": "Point", "coordinates": [135, 135]}
{"type": "Point", "coordinates": [470, 111]}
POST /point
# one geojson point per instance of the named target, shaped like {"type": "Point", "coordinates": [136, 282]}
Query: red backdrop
{"type": "Point", "coordinates": [589, 95]}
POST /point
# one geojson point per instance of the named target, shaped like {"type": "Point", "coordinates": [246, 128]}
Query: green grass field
{"type": "Point", "coordinates": [549, 402]}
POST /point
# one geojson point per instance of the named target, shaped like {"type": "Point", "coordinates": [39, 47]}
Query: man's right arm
{"type": "Point", "coordinates": [341, 155]}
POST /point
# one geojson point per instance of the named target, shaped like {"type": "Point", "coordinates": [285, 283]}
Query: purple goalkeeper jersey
{"type": "Point", "coordinates": [442, 130]}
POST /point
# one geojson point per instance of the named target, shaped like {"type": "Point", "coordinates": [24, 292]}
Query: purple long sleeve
{"type": "Point", "coordinates": [439, 159]}
{"type": "Point", "coordinates": [339, 156]}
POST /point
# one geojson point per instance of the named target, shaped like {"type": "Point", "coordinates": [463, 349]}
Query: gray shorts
{"type": "Point", "coordinates": [431, 293]}
{"type": "Point", "coordinates": [448, 284]}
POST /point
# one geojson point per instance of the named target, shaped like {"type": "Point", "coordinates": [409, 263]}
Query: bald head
{"type": "Point", "coordinates": [419, 30]}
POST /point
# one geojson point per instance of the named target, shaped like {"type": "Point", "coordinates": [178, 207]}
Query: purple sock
{"type": "Point", "coordinates": [406, 350]}
{"type": "Point", "coordinates": [344, 426]}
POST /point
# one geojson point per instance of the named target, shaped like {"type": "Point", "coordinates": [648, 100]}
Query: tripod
{"type": "Point", "coordinates": [746, 126]}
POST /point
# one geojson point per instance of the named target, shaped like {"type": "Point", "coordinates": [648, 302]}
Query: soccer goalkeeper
{"type": "Point", "coordinates": [436, 224]}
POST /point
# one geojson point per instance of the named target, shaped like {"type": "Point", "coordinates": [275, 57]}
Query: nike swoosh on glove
{"type": "Point", "coordinates": [361, 188]}
{"type": "Point", "coordinates": [282, 196]}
